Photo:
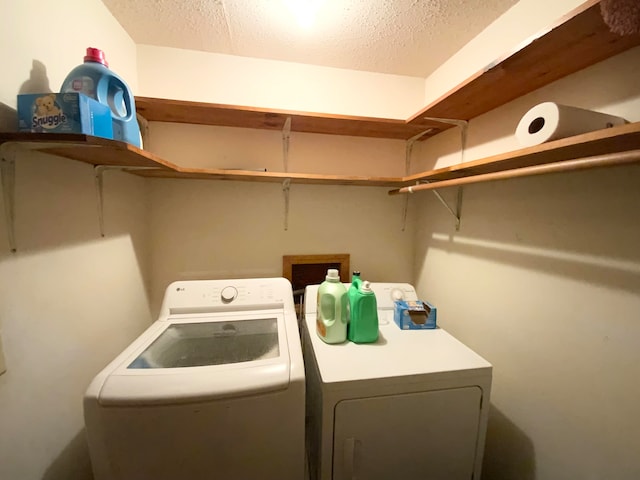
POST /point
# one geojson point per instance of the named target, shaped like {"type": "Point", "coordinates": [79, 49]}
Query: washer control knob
{"type": "Point", "coordinates": [228, 294]}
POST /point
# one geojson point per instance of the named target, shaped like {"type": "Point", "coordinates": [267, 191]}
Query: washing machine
{"type": "Point", "coordinates": [413, 405]}
{"type": "Point", "coordinates": [214, 388]}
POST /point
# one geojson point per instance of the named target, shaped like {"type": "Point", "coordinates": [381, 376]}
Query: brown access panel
{"type": "Point", "coordinates": [303, 270]}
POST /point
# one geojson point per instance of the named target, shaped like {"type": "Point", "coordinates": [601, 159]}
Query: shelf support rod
{"type": "Point", "coordinates": [8, 173]}
{"type": "Point", "coordinates": [98, 173]}
{"type": "Point", "coordinates": [286, 188]}
{"type": "Point", "coordinates": [596, 161]}
{"type": "Point", "coordinates": [464, 131]}
{"type": "Point", "coordinates": [407, 169]}
{"type": "Point", "coordinates": [286, 134]}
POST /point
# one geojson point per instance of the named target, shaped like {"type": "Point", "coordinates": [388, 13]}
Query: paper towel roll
{"type": "Point", "coordinates": [551, 121]}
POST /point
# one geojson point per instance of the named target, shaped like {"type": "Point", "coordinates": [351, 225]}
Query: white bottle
{"type": "Point", "coordinates": [331, 321]}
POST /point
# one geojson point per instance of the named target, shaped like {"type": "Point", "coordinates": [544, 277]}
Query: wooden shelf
{"type": "Point", "coordinates": [611, 140]}
{"type": "Point", "coordinates": [86, 148]}
{"type": "Point", "coordinates": [576, 41]}
{"type": "Point", "coordinates": [100, 151]}
{"type": "Point", "coordinates": [251, 176]}
{"type": "Point", "coordinates": [163, 110]}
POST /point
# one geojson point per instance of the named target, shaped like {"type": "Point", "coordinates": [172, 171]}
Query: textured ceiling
{"type": "Point", "coordinates": [404, 37]}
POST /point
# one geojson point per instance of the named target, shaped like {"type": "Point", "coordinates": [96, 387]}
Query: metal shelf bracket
{"type": "Point", "coordinates": [8, 152]}
{"type": "Point", "coordinates": [286, 134]}
{"type": "Point", "coordinates": [286, 184]}
{"type": "Point", "coordinates": [457, 213]}
{"type": "Point", "coordinates": [407, 170]}
{"type": "Point", "coordinates": [464, 130]}
{"type": "Point", "coordinates": [286, 189]}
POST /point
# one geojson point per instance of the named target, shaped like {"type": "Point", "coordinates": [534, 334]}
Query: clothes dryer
{"type": "Point", "coordinates": [411, 406]}
{"type": "Point", "coordinates": [213, 389]}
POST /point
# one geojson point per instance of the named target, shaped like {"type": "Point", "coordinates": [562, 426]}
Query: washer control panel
{"type": "Point", "coordinates": [227, 293]}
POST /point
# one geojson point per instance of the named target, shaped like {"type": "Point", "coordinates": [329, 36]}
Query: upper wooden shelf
{"type": "Point", "coordinates": [576, 41]}
{"type": "Point", "coordinates": [163, 110]}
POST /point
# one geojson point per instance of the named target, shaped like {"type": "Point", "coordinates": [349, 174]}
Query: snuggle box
{"type": "Point", "coordinates": [63, 113]}
{"type": "Point", "coordinates": [414, 315]}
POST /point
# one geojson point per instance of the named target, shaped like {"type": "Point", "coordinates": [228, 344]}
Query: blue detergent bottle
{"type": "Point", "coordinates": [96, 80]}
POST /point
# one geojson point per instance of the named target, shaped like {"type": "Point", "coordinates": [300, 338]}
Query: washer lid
{"type": "Point", "coordinates": [188, 359]}
{"type": "Point", "coordinates": [201, 344]}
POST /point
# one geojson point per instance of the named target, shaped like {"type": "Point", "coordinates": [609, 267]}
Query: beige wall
{"type": "Point", "coordinates": [69, 299]}
{"type": "Point", "coordinates": [213, 229]}
{"type": "Point", "coordinates": [543, 280]}
{"type": "Point", "coordinates": [203, 146]}
{"type": "Point", "coordinates": [37, 58]}
{"type": "Point", "coordinates": [216, 78]}
{"type": "Point", "coordinates": [217, 229]}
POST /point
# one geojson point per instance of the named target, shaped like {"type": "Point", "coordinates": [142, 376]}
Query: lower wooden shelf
{"type": "Point", "coordinates": [86, 148]}
{"type": "Point", "coordinates": [252, 176]}
{"type": "Point", "coordinates": [611, 140]}
{"type": "Point", "coordinates": [100, 151]}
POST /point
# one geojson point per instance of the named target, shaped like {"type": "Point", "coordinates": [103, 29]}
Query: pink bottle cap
{"type": "Point", "coordinates": [95, 55]}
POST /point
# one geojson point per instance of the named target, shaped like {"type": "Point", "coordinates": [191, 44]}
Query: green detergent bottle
{"type": "Point", "coordinates": [354, 288]}
{"type": "Point", "coordinates": [363, 321]}
{"type": "Point", "coordinates": [355, 280]}
{"type": "Point", "coordinates": [331, 320]}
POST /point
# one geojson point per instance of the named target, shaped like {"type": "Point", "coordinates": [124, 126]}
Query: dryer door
{"type": "Point", "coordinates": [410, 436]}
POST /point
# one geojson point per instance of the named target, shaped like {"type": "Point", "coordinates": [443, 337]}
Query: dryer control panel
{"type": "Point", "coordinates": [388, 293]}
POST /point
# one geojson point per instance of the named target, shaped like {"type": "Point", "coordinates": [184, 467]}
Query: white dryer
{"type": "Point", "coordinates": [213, 389]}
{"type": "Point", "coordinates": [413, 405]}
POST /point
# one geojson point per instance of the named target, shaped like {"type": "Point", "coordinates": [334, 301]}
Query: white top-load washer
{"type": "Point", "coordinates": [213, 389]}
{"type": "Point", "coordinates": [413, 405]}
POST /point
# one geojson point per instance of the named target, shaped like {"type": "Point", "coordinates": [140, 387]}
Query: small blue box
{"type": "Point", "coordinates": [64, 113]}
{"type": "Point", "coordinates": [414, 315]}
